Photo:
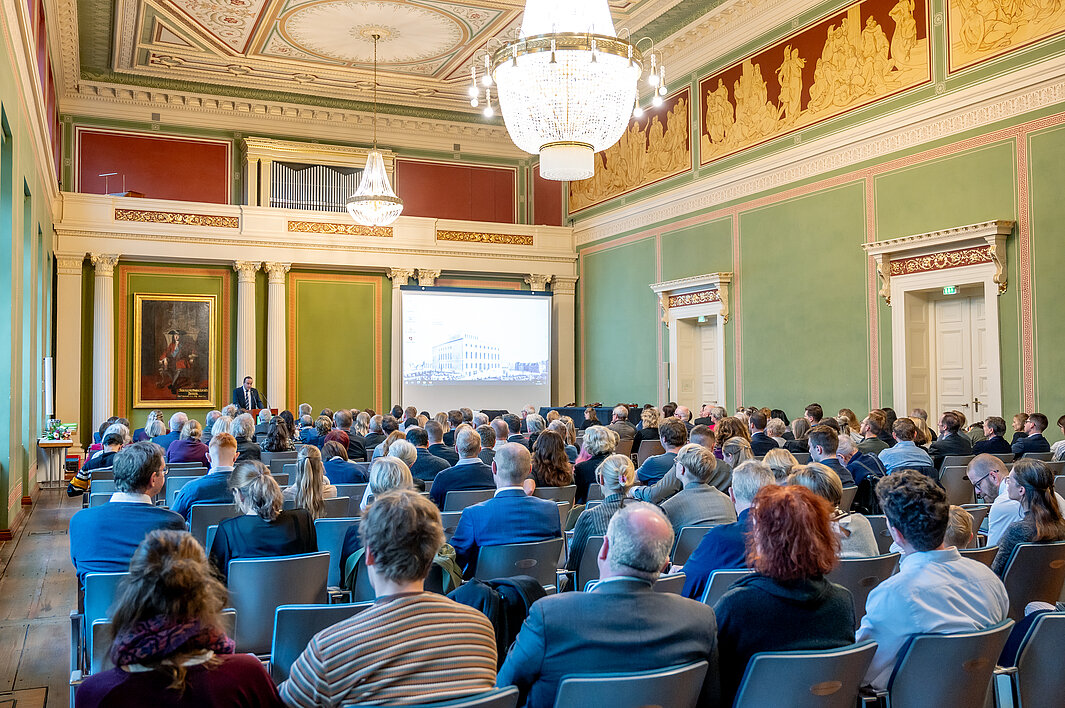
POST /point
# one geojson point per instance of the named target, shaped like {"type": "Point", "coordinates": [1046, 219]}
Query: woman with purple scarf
{"type": "Point", "coordinates": [169, 647]}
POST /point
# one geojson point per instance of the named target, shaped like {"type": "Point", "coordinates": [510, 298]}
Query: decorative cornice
{"type": "Point", "coordinates": [320, 227]}
{"type": "Point", "coordinates": [427, 276]}
{"type": "Point", "coordinates": [400, 276]}
{"type": "Point", "coordinates": [277, 272]}
{"type": "Point", "coordinates": [104, 263]}
{"type": "Point", "coordinates": [246, 270]}
{"type": "Point", "coordinates": [695, 290]}
{"type": "Point", "coordinates": [537, 283]}
{"type": "Point", "coordinates": [482, 237]}
{"type": "Point", "coordinates": [699, 297]}
{"type": "Point", "coordinates": [957, 234]}
{"type": "Point", "coordinates": [174, 217]}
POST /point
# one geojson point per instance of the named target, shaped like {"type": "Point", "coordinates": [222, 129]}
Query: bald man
{"type": "Point", "coordinates": [988, 476]}
{"type": "Point", "coordinates": [510, 516]}
{"type": "Point", "coordinates": [620, 622]}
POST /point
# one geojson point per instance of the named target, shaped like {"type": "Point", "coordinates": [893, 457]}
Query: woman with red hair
{"type": "Point", "coordinates": [786, 604]}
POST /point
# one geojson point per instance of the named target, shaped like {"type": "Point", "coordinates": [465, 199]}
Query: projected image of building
{"type": "Point", "coordinates": [465, 355]}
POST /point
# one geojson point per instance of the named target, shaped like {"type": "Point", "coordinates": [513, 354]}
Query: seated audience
{"type": "Point", "coordinates": [177, 422]}
{"type": "Point", "coordinates": [488, 443]}
{"type": "Point", "coordinates": [221, 425]}
{"type": "Point", "coordinates": [724, 546]}
{"type": "Point", "coordinates": [780, 462]}
{"type": "Point", "coordinates": [722, 475]}
{"type": "Point", "coordinates": [775, 429]}
{"type": "Point", "coordinates": [470, 472]}
{"type": "Point", "coordinates": [591, 417]}
{"type": "Point", "coordinates": [824, 441]}
{"type": "Point", "coordinates": [923, 436]}
{"type": "Point", "coordinates": [735, 451]}
{"type": "Point", "coordinates": [170, 648]}
{"type": "Point", "coordinates": [103, 538]}
{"type": "Point", "coordinates": [1031, 484]}
{"type": "Point", "coordinates": [569, 438]}
{"type": "Point", "coordinates": [599, 444]}
{"type": "Point", "coordinates": [619, 423]}
{"type": "Point", "coordinates": [411, 646]}
{"type": "Point", "coordinates": [936, 590]}
{"type": "Point", "coordinates": [427, 465]}
{"type": "Point", "coordinates": [787, 604]}
{"type": "Point", "coordinates": [342, 421]}
{"type": "Point", "coordinates": [959, 528]}
{"type": "Point", "coordinates": [697, 503]}
{"type": "Point", "coordinates": [386, 474]}
{"type": "Point", "coordinates": [584, 633]}
{"type": "Point", "coordinates": [849, 424]}
{"type": "Point", "coordinates": [362, 425]}
{"type": "Point", "coordinates": [382, 449]}
{"type": "Point", "coordinates": [951, 441]}
{"type": "Point", "coordinates": [663, 489]}
{"type": "Point", "coordinates": [501, 431]}
{"type": "Point", "coordinates": [684, 415]}
{"type": "Point", "coordinates": [309, 486]}
{"type": "Point", "coordinates": [616, 476]}
{"type": "Point", "coordinates": [114, 438]}
{"type": "Point", "coordinates": [155, 429]}
{"type": "Point", "coordinates": [241, 430]}
{"type": "Point", "coordinates": [871, 429]}
{"type": "Point", "coordinates": [189, 447]}
{"type": "Point", "coordinates": [509, 517]}
{"type": "Point", "coordinates": [436, 445]}
{"type": "Point", "coordinates": [853, 531]}
{"type": "Point", "coordinates": [142, 433]}
{"type": "Point", "coordinates": [1018, 424]}
{"type": "Point", "coordinates": [994, 442]}
{"type": "Point", "coordinates": [760, 442]}
{"type": "Point", "coordinates": [534, 424]}
{"type": "Point", "coordinates": [859, 464]}
{"type": "Point", "coordinates": [987, 474]}
{"type": "Point", "coordinates": [800, 427]}
{"type": "Point", "coordinates": [263, 422]}
{"type": "Point", "coordinates": [905, 453]}
{"type": "Point", "coordinates": [213, 487]}
{"type": "Point", "coordinates": [550, 466]}
{"type": "Point", "coordinates": [649, 421]}
{"type": "Point", "coordinates": [673, 436]}
{"type": "Point", "coordinates": [338, 468]}
{"type": "Point", "coordinates": [278, 438]}
{"type": "Point", "coordinates": [514, 431]}
{"type": "Point", "coordinates": [375, 434]}
{"type": "Point", "coordinates": [322, 425]}
{"type": "Point", "coordinates": [264, 529]}
{"type": "Point", "coordinates": [1057, 450]}
{"type": "Point", "coordinates": [1033, 440]}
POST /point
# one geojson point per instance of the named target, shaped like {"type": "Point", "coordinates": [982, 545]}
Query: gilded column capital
{"type": "Point", "coordinates": [69, 263]}
{"type": "Point", "coordinates": [246, 270]}
{"type": "Point", "coordinates": [104, 263]}
{"type": "Point", "coordinates": [563, 286]}
{"type": "Point", "coordinates": [277, 272]}
{"type": "Point", "coordinates": [537, 282]}
{"type": "Point", "coordinates": [427, 277]}
{"type": "Point", "coordinates": [400, 276]}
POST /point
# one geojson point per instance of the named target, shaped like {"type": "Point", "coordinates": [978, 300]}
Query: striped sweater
{"type": "Point", "coordinates": [407, 648]}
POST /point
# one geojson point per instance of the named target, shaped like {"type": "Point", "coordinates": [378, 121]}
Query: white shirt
{"type": "Point", "coordinates": [1004, 511]}
{"type": "Point", "coordinates": [132, 497]}
{"type": "Point", "coordinates": [934, 592]}
{"type": "Point", "coordinates": [506, 489]}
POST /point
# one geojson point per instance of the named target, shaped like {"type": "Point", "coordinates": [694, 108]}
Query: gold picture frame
{"type": "Point", "coordinates": [175, 350]}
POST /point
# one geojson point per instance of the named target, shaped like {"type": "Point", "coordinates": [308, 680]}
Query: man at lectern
{"type": "Point", "coordinates": [247, 396]}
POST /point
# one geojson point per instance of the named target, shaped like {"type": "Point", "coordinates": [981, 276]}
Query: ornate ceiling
{"type": "Point", "coordinates": [307, 51]}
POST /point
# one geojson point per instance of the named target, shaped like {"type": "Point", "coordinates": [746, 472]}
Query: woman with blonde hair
{"type": "Point", "coordinates": [781, 462]}
{"type": "Point", "coordinates": [649, 418]}
{"type": "Point", "coordinates": [170, 647]}
{"type": "Point", "coordinates": [736, 451]}
{"type": "Point", "coordinates": [189, 447]}
{"type": "Point", "coordinates": [853, 425]}
{"type": "Point", "coordinates": [382, 449]}
{"type": "Point", "coordinates": [616, 475]}
{"type": "Point", "coordinates": [221, 425]}
{"type": "Point", "coordinates": [800, 428]}
{"type": "Point", "coordinates": [362, 424]}
{"type": "Point", "coordinates": [386, 474]}
{"type": "Point", "coordinates": [923, 438]}
{"type": "Point", "coordinates": [599, 443]}
{"type": "Point", "coordinates": [310, 487]}
{"type": "Point", "coordinates": [855, 533]}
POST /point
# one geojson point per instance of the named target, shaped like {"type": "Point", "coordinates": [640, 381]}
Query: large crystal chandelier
{"type": "Point", "coordinates": [374, 203]}
{"type": "Point", "coordinates": [568, 87]}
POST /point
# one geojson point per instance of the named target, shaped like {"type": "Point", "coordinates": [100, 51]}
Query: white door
{"type": "Point", "coordinates": [688, 373]}
{"type": "Point", "coordinates": [708, 356]}
{"type": "Point", "coordinates": [963, 373]}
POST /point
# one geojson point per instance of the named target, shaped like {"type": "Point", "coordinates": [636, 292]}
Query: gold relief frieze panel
{"type": "Point", "coordinates": [699, 297]}
{"type": "Point", "coordinates": [655, 146]}
{"type": "Point", "coordinates": [318, 227]}
{"type": "Point", "coordinates": [863, 53]}
{"type": "Point", "coordinates": [482, 237]}
{"type": "Point", "coordinates": [981, 29]}
{"type": "Point", "coordinates": [942, 260]}
{"type": "Point", "coordinates": [180, 218]}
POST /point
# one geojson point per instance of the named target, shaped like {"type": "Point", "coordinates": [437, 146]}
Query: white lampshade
{"type": "Point", "coordinates": [374, 203]}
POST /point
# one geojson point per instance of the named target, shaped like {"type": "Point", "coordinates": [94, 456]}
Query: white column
{"type": "Point", "coordinates": [399, 277]}
{"type": "Point", "coordinates": [276, 369]}
{"type": "Point", "coordinates": [563, 352]}
{"type": "Point", "coordinates": [103, 347]}
{"type": "Point", "coordinates": [68, 342]}
{"type": "Point", "coordinates": [245, 318]}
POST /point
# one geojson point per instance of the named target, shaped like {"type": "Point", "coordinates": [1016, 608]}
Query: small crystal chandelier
{"type": "Point", "coordinates": [374, 203]}
{"type": "Point", "coordinates": [567, 88]}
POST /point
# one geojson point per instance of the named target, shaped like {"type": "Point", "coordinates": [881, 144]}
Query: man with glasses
{"type": "Point", "coordinates": [988, 476]}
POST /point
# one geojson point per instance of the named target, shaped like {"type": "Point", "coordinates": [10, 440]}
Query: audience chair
{"type": "Point", "coordinates": [861, 575]}
{"type": "Point", "coordinates": [281, 479]}
{"type": "Point", "coordinates": [956, 461]}
{"type": "Point", "coordinates": [99, 486]}
{"type": "Point", "coordinates": [946, 670]}
{"type": "Point", "coordinates": [809, 679]}
{"type": "Point", "coordinates": [354, 491]}
{"type": "Point", "coordinates": [983, 555]}
{"type": "Point", "coordinates": [595, 492]}
{"type": "Point", "coordinates": [927, 470]}
{"type": "Point", "coordinates": [1059, 484]}
{"type": "Point", "coordinates": [588, 565]}
{"type": "Point", "coordinates": [330, 533]}
{"type": "Point", "coordinates": [676, 687]}
{"type": "Point", "coordinates": [957, 485]}
{"type": "Point", "coordinates": [450, 520]}
{"type": "Point", "coordinates": [212, 531]}
{"type": "Point", "coordinates": [849, 492]}
{"type": "Point", "coordinates": [979, 513]}
{"type": "Point", "coordinates": [571, 518]}
{"type": "Point", "coordinates": [537, 559]}
{"type": "Point", "coordinates": [1056, 468]}
{"type": "Point", "coordinates": [258, 586]}
{"type": "Point", "coordinates": [1044, 456]}
{"type": "Point", "coordinates": [718, 584]}
{"type": "Point", "coordinates": [1037, 680]}
{"type": "Point", "coordinates": [556, 494]}
{"type": "Point", "coordinates": [564, 508]}
{"type": "Point", "coordinates": [1006, 457]}
{"type": "Point", "coordinates": [99, 498]}
{"type": "Point", "coordinates": [459, 500]}
{"type": "Point", "coordinates": [295, 625]}
{"type": "Point", "coordinates": [801, 457]}
{"type": "Point", "coordinates": [672, 583]}
{"type": "Point", "coordinates": [337, 508]}
{"type": "Point", "coordinates": [102, 640]}
{"type": "Point", "coordinates": [288, 468]}
{"type": "Point", "coordinates": [648, 448]}
{"type": "Point", "coordinates": [184, 465]}
{"type": "Point", "coordinates": [687, 541]}
{"type": "Point", "coordinates": [361, 589]}
{"type": "Point", "coordinates": [103, 473]}
{"type": "Point", "coordinates": [883, 538]}
{"type": "Point", "coordinates": [496, 698]}
{"type": "Point", "coordinates": [203, 515]}
{"type": "Point", "coordinates": [1034, 572]}
{"type": "Point", "coordinates": [276, 461]}
{"type": "Point", "coordinates": [173, 486]}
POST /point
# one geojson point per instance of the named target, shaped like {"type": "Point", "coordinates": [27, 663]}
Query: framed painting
{"type": "Point", "coordinates": [175, 346]}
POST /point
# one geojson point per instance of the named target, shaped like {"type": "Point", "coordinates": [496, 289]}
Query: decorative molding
{"type": "Point", "coordinates": [320, 227]}
{"type": "Point", "coordinates": [537, 283]}
{"type": "Point", "coordinates": [104, 263]}
{"type": "Point", "coordinates": [941, 260]}
{"type": "Point", "coordinates": [695, 290]}
{"type": "Point", "coordinates": [276, 272]}
{"type": "Point", "coordinates": [69, 263]}
{"type": "Point", "coordinates": [698, 297]}
{"type": "Point", "coordinates": [563, 286]}
{"type": "Point", "coordinates": [174, 217]}
{"type": "Point", "coordinates": [400, 276]}
{"type": "Point", "coordinates": [246, 270]}
{"type": "Point", "coordinates": [427, 276]}
{"type": "Point", "coordinates": [482, 237]}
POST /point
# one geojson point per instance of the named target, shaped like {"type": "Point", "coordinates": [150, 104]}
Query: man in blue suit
{"type": "Point", "coordinates": [823, 444]}
{"type": "Point", "coordinates": [760, 442]}
{"type": "Point", "coordinates": [435, 431]}
{"type": "Point", "coordinates": [470, 472]}
{"type": "Point", "coordinates": [428, 465]}
{"type": "Point", "coordinates": [177, 422]}
{"type": "Point", "coordinates": [622, 624]}
{"type": "Point", "coordinates": [673, 436]}
{"type": "Point", "coordinates": [213, 487]}
{"type": "Point", "coordinates": [510, 517]}
{"type": "Point", "coordinates": [994, 442]}
{"type": "Point", "coordinates": [1035, 442]}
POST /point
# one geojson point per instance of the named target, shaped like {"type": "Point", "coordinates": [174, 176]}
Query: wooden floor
{"type": "Point", "coordinates": [37, 593]}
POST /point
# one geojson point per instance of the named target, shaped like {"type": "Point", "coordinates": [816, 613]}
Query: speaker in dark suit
{"type": "Point", "coordinates": [247, 396]}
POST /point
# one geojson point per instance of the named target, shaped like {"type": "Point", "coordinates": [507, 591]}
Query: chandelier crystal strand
{"type": "Point", "coordinates": [374, 203]}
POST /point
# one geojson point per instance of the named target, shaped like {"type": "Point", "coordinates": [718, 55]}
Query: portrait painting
{"type": "Point", "coordinates": [174, 349]}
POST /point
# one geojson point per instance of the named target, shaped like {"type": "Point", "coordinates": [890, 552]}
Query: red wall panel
{"type": "Point", "coordinates": [159, 167]}
{"type": "Point", "coordinates": [547, 200]}
{"type": "Point", "coordinates": [452, 191]}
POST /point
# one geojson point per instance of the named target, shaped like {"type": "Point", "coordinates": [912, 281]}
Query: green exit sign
{"type": "Point", "coordinates": [950, 289]}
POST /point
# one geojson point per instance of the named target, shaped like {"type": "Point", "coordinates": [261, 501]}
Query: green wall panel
{"type": "Point", "coordinates": [619, 316]}
{"type": "Point", "coordinates": [804, 322]}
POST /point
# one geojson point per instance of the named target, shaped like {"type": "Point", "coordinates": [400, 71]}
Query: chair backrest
{"type": "Point", "coordinates": [353, 492]}
{"type": "Point", "coordinates": [957, 485]}
{"type": "Point", "coordinates": [558, 494]}
{"type": "Point", "coordinates": [281, 479]}
{"type": "Point", "coordinates": [496, 698]}
{"type": "Point", "coordinates": [258, 586]}
{"type": "Point", "coordinates": [173, 486]}
{"type": "Point", "coordinates": [947, 670]}
{"type": "Point", "coordinates": [277, 461]}
{"type": "Point", "coordinates": [929, 471]}
{"type": "Point", "coordinates": [979, 512]}
{"type": "Point", "coordinates": [849, 492]}
{"type": "Point", "coordinates": [878, 522]}
{"type": "Point", "coordinates": [459, 500]}
{"type": "Point", "coordinates": [1044, 456]}
{"type": "Point", "coordinates": [100, 641]}
{"type": "Point", "coordinates": [984, 555]}
{"type": "Point", "coordinates": [649, 448]}
{"type": "Point", "coordinates": [362, 590]}
{"type": "Point", "coordinates": [624, 447]}
{"type": "Point", "coordinates": [538, 559]}
{"type": "Point", "coordinates": [810, 679]}
{"type": "Point", "coordinates": [337, 508]}
{"type": "Point", "coordinates": [956, 461]}
{"type": "Point", "coordinates": [450, 520]}
{"type": "Point", "coordinates": [1004, 456]}
{"type": "Point", "coordinates": [1040, 680]}
{"type": "Point", "coordinates": [331, 534]}
{"type": "Point", "coordinates": [687, 541]}
{"type": "Point", "coordinates": [595, 492]}
{"type": "Point", "coordinates": [212, 531]}
{"type": "Point", "coordinates": [1056, 467]}
{"type": "Point", "coordinates": [588, 568]}
{"type": "Point", "coordinates": [295, 625]}
{"type": "Point", "coordinates": [676, 687]}
{"type": "Point", "coordinates": [673, 583]}
{"type": "Point", "coordinates": [801, 457]}
{"type": "Point", "coordinates": [1059, 484]}
{"type": "Point", "coordinates": [103, 473]}
{"type": "Point", "coordinates": [98, 498]}
{"type": "Point", "coordinates": [99, 486]}
{"type": "Point", "coordinates": [861, 575]}
{"type": "Point", "coordinates": [718, 584]}
{"type": "Point", "coordinates": [288, 468]}
{"type": "Point", "coordinates": [100, 592]}
{"type": "Point", "coordinates": [203, 515]}
{"type": "Point", "coordinates": [183, 465]}
{"type": "Point", "coordinates": [1034, 572]}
